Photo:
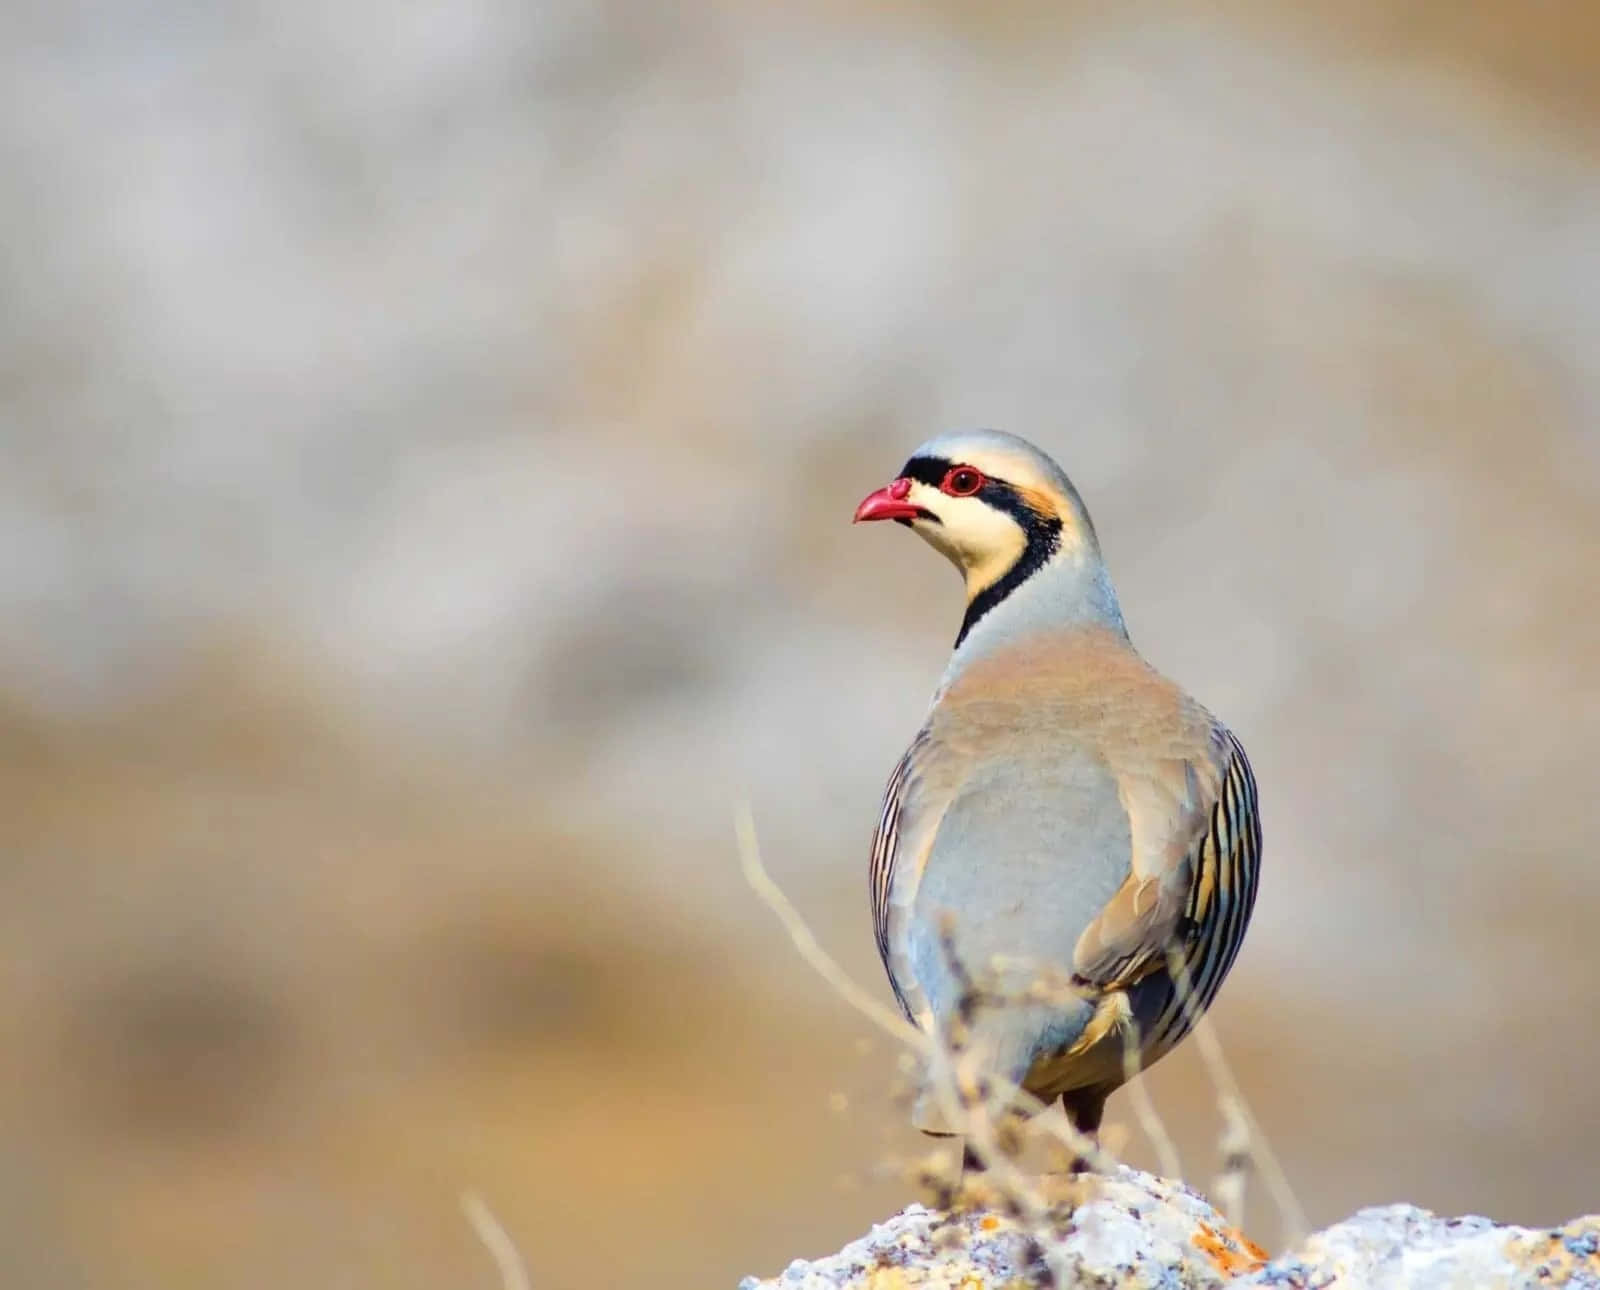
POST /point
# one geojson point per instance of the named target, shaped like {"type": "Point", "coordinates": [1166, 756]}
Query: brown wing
{"type": "Point", "coordinates": [1192, 885]}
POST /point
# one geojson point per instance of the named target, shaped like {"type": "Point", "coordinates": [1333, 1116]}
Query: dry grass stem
{"type": "Point", "coordinates": [1237, 1160]}
{"type": "Point", "coordinates": [1144, 1107]}
{"type": "Point", "coordinates": [502, 1249]}
{"type": "Point", "coordinates": [755, 873]}
{"type": "Point", "coordinates": [1257, 1147]}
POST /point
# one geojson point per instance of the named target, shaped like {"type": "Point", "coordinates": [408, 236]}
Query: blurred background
{"type": "Point", "coordinates": [429, 440]}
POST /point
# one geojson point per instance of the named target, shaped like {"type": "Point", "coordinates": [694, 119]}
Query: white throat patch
{"type": "Point", "coordinates": [982, 542]}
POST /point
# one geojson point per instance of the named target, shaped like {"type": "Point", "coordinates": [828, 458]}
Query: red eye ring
{"type": "Point", "coordinates": [962, 481]}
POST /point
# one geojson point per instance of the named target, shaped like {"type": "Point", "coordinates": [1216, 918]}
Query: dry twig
{"type": "Point", "coordinates": [502, 1249]}
{"type": "Point", "coordinates": [1256, 1146]}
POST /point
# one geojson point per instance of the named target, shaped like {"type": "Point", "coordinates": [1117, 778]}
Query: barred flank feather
{"type": "Point", "coordinates": [881, 869]}
{"type": "Point", "coordinates": [1217, 924]}
{"type": "Point", "coordinates": [881, 872]}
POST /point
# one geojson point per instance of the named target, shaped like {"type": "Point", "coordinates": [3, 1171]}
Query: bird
{"type": "Point", "coordinates": [1068, 826]}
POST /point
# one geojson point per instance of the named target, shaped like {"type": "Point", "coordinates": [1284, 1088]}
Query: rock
{"type": "Point", "coordinates": [1127, 1229]}
{"type": "Point", "coordinates": [1132, 1231]}
{"type": "Point", "coordinates": [1401, 1247]}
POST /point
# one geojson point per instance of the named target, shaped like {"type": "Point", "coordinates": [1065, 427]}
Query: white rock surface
{"type": "Point", "coordinates": [1134, 1231]}
{"type": "Point", "coordinates": [1401, 1247]}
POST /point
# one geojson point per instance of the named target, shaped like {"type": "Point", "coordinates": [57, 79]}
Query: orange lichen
{"type": "Point", "coordinates": [989, 1222]}
{"type": "Point", "coordinates": [1231, 1252]}
{"type": "Point", "coordinates": [1563, 1254]}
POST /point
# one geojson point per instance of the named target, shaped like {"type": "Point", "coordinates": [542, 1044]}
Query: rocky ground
{"type": "Point", "coordinates": [1135, 1231]}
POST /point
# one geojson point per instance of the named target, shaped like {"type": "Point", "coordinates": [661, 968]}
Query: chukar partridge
{"type": "Point", "coordinates": [1065, 814]}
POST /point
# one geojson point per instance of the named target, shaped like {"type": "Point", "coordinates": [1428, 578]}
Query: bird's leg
{"type": "Point", "coordinates": [1084, 1108]}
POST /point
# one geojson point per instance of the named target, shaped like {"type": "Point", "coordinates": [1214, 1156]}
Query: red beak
{"type": "Point", "coordinates": [888, 503]}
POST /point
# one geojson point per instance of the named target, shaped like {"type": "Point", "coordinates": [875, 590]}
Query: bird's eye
{"type": "Point", "coordinates": [962, 481]}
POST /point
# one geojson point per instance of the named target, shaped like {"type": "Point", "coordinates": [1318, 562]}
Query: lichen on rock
{"type": "Point", "coordinates": [1133, 1231]}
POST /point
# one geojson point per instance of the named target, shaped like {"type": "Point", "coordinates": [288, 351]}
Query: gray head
{"type": "Point", "coordinates": [1010, 521]}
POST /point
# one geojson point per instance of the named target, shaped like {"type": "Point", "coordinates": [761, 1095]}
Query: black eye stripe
{"type": "Point", "coordinates": [925, 470]}
{"type": "Point", "coordinates": [999, 494]}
